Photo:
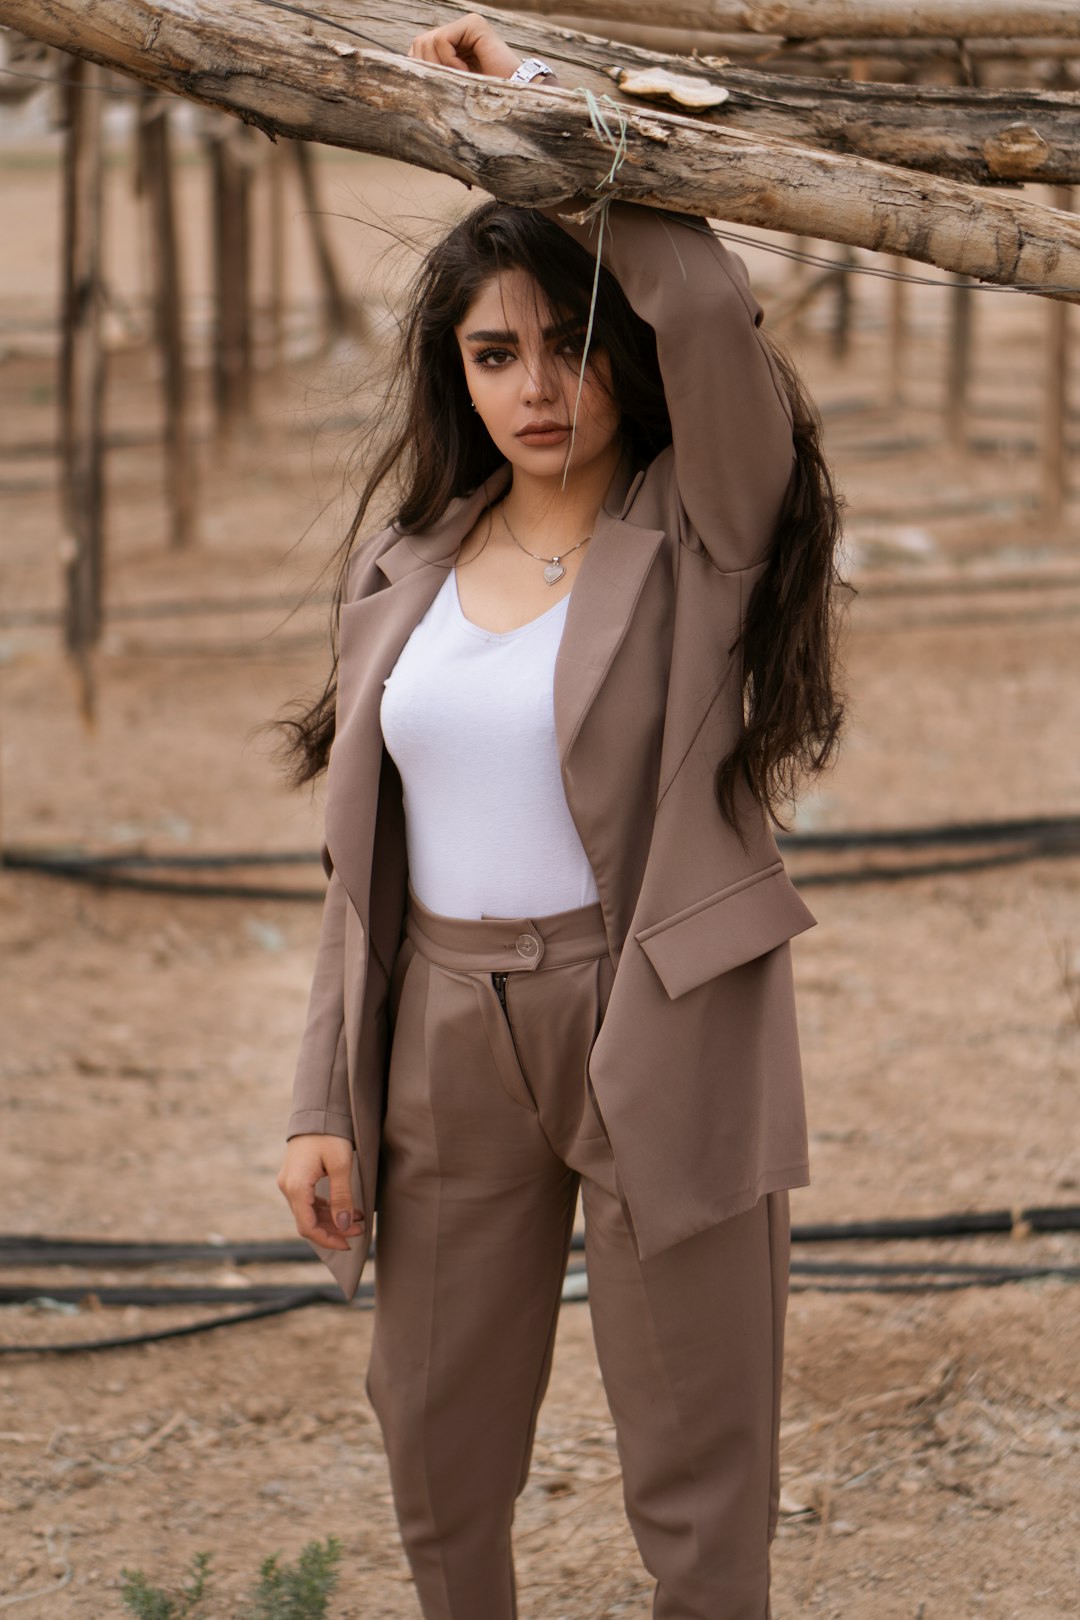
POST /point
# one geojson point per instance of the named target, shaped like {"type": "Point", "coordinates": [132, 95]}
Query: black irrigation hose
{"type": "Point", "coordinates": [311, 1296]}
{"type": "Point", "coordinates": [885, 1280]}
{"type": "Point", "coordinates": [154, 1295]}
{"type": "Point", "coordinates": [873, 1277]}
{"type": "Point", "coordinates": [925, 869]}
{"type": "Point", "coordinates": [947, 834]}
{"type": "Point", "coordinates": [1039, 838]}
{"type": "Point", "coordinates": [33, 1249]}
{"type": "Point", "coordinates": [968, 1223]}
{"type": "Point", "coordinates": [115, 872]}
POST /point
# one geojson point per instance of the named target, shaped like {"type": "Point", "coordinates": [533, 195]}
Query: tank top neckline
{"type": "Point", "coordinates": [501, 635]}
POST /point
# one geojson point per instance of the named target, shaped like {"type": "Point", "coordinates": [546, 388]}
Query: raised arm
{"type": "Point", "coordinates": [730, 417]}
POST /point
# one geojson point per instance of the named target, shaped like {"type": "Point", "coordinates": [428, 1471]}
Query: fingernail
{"type": "Point", "coordinates": [342, 1220]}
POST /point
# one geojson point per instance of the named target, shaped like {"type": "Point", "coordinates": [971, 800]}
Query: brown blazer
{"type": "Point", "coordinates": [695, 1069]}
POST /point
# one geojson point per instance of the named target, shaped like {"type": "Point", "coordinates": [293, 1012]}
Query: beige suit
{"type": "Point", "coordinates": [695, 1070]}
{"type": "Point", "coordinates": [648, 1047]}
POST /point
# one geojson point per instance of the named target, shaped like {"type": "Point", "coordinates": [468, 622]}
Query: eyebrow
{"type": "Point", "coordinates": [511, 337]}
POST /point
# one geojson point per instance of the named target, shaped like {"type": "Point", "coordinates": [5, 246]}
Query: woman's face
{"type": "Point", "coordinates": [522, 367]}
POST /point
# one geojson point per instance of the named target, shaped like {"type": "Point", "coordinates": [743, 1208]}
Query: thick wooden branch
{"type": "Point", "coordinates": [290, 75]}
{"type": "Point", "coordinates": [984, 136]}
{"type": "Point", "coordinates": [773, 50]}
{"type": "Point", "coordinates": [842, 19]}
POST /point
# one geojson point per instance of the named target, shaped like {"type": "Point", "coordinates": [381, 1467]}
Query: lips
{"type": "Point", "coordinates": [543, 431]}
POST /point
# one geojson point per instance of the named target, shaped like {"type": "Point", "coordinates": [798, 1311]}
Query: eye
{"type": "Point", "coordinates": [573, 343]}
{"type": "Point", "coordinates": [491, 359]}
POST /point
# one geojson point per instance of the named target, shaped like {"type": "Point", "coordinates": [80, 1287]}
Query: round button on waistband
{"type": "Point", "coordinates": [527, 946]}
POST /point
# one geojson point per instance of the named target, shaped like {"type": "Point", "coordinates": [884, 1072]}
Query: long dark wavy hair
{"type": "Point", "coordinates": [434, 447]}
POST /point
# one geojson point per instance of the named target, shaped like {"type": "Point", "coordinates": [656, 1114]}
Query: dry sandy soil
{"type": "Point", "coordinates": [930, 1445]}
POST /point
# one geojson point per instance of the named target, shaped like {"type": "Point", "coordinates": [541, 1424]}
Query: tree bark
{"type": "Point", "coordinates": [842, 19]}
{"type": "Point", "coordinates": [323, 81]}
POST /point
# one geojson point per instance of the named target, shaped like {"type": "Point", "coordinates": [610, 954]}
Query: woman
{"type": "Point", "coordinates": [575, 675]}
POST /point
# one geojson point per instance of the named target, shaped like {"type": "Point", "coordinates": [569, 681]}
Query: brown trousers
{"type": "Point", "coordinates": [490, 1128]}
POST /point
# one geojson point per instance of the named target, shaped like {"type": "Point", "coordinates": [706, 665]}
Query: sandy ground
{"type": "Point", "coordinates": [930, 1442]}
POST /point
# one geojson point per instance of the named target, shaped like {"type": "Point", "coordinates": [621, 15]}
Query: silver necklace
{"type": "Point", "coordinates": [554, 570]}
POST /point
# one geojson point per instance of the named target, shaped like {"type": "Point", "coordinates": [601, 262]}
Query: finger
{"type": "Point", "coordinates": [421, 49]}
{"type": "Point", "coordinates": [447, 56]}
{"type": "Point", "coordinates": [331, 1215]}
{"type": "Point", "coordinates": [328, 1220]}
{"type": "Point", "coordinates": [434, 49]}
{"type": "Point", "coordinates": [302, 1203]}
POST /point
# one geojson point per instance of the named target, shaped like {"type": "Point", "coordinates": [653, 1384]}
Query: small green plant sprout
{"type": "Point", "coordinates": [153, 1603]}
{"type": "Point", "coordinates": [297, 1591]}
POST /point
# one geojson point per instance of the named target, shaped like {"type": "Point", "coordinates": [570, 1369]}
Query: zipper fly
{"type": "Point", "coordinates": [499, 981]}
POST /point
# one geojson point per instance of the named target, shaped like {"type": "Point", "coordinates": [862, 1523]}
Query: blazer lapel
{"type": "Point", "coordinates": [602, 601]}
{"type": "Point", "coordinates": [372, 632]}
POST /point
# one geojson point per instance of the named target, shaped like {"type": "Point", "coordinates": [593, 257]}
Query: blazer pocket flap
{"type": "Point", "coordinates": [724, 930]}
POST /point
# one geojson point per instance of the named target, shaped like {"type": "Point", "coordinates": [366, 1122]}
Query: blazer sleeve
{"type": "Point", "coordinates": [320, 1100]}
{"type": "Point", "coordinates": [730, 416]}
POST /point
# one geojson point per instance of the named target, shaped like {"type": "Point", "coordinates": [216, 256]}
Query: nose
{"type": "Point", "coordinates": [539, 384]}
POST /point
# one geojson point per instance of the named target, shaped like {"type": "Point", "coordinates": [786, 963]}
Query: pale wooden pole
{"type": "Point", "coordinates": [899, 301]}
{"type": "Point", "coordinates": [799, 297]}
{"type": "Point", "coordinates": [276, 178]}
{"type": "Point", "coordinates": [156, 174]}
{"type": "Point", "coordinates": [82, 370]}
{"type": "Point", "coordinates": [231, 214]}
{"type": "Point", "coordinates": [1055, 451]}
{"type": "Point", "coordinates": [958, 363]}
{"type": "Point", "coordinates": [841, 19]}
{"type": "Point", "coordinates": [773, 50]}
{"type": "Point", "coordinates": [339, 315]}
{"type": "Point", "coordinates": [844, 305]}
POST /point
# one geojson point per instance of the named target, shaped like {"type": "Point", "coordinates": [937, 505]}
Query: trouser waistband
{"type": "Point", "coordinates": [507, 944]}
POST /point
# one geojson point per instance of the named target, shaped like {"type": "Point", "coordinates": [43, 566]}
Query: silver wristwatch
{"type": "Point", "coordinates": [532, 68]}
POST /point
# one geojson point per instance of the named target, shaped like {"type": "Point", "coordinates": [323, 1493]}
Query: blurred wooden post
{"type": "Point", "coordinates": [231, 181]}
{"type": "Point", "coordinates": [276, 160]}
{"type": "Point", "coordinates": [1055, 450]}
{"type": "Point", "coordinates": [82, 368]}
{"type": "Point", "coordinates": [800, 276]}
{"type": "Point", "coordinates": [844, 307]}
{"type": "Point", "coordinates": [339, 315]}
{"type": "Point", "coordinates": [958, 371]}
{"type": "Point", "coordinates": [155, 166]}
{"type": "Point", "coordinates": [898, 332]}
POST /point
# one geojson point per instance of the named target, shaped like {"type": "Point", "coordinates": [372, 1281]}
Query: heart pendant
{"type": "Point", "coordinates": [553, 572]}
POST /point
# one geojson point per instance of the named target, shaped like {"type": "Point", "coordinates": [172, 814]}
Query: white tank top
{"type": "Point", "coordinates": [468, 717]}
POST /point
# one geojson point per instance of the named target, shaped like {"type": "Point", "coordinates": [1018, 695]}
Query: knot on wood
{"type": "Point", "coordinates": [486, 104]}
{"type": "Point", "coordinates": [760, 17]}
{"type": "Point", "coordinates": [1015, 150]}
